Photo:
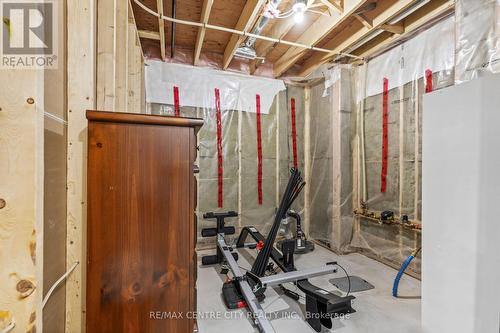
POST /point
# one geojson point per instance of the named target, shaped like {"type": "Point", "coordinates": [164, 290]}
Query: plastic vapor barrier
{"type": "Point", "coordinates": [239, 120]}
{"type": "Point", "coordinates": [330, 180]}
{"type": "Point", "coordinates": [477, 38]}
{"type": "Point", "coordinates": [401, 77]}
{"type": "Point", "coordinates": [357, 135]}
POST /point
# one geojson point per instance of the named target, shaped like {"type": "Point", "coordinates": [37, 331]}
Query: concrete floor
{"type": "Point", "coordinates": [377, 310]}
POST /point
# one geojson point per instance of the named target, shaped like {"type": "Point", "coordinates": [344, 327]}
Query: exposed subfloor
{"type": "Point", "coordinates": [376, 310]}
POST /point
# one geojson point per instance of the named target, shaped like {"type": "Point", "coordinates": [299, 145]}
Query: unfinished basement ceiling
{"type": "Point", "coordinates": [360, 28]}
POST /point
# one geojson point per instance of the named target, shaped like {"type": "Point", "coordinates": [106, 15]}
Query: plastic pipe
{"type": "Point", "coordinates": [405, 265]}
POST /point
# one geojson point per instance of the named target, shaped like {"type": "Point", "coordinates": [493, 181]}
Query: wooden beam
{"type": "Point", "coordinates": [332, 6]}
{"type": "Point", "coordinates": [134, 22]}
{"type": "Point", "coordinates": [161, 29]}
{"type": "Point", "coordinates": [81, 91]}
{"type": "Point", "coordinates": [205, 15]}
{"type": "Point", "coordinates": [316, 32]}
{"type": "Point", "coordinates": [397, 28]}
{"type": "Point", "coordinates": [429, 13]}
{"type": "Point", "coordinates": [146, 34]}
{"type": "Point", "coordinates": [135, 103]}
{"type": "Point", "coordinates": [245, 22]}
{"type": "Point", "coordinates": [121, 59]}
{"type": "Point", "coordinates": [320, 58]}
{"type": "Point", "coordinates": [339, 4]}
{"type": "Point", "coordinates": [105, 58]}
{"type": "Point", "coordinates": [365, 20]}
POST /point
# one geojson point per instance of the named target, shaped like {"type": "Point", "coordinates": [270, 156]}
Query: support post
{"type": "Point", "coordinates": [278, 158]}
{"type": "Point", "coordinates": [81, 90]}
{"type": "Point", "coordinates": [307, 159]}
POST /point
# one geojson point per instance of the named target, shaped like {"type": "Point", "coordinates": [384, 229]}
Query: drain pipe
{"type": "Point", "coordinates": [172, 32]}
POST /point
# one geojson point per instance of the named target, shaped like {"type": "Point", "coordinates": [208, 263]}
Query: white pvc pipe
{"type": "Point", "coordinates": [241, 33]}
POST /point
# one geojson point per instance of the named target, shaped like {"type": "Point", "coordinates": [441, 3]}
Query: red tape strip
{"type": "Point", "coordinates": [294, 134]}
{"type": "Point", "coordinates": [176, 102]}
{"type": "Point", "coordinates": [428, 81]}
{"type": "Point", "coordinates": [259, 149]}
{"type": "Point", "coordinates": [219, 146]}
{"type": "Point", "coordinates": [385, 136]}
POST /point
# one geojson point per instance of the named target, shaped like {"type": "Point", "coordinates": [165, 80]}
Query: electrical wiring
{"type": "Point", "coordinates": [348, 279]}
{"type": "Point", "coordinates": [239, 32]}
{"type": "Point", "coordinates": [9, 328]}
{"type": "Point", "coordinates": [57, 283]}
{"type": "Point", "coordinates": [286, 14]}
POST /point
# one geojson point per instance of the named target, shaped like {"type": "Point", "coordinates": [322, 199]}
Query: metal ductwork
{"type": "Point", "coordinates": [247, 49]}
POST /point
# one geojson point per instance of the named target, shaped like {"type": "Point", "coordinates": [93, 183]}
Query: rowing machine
{"type": "Point", "coordinates": [302, 245]}
{"type": "Point", "coordinates": [248, 289]}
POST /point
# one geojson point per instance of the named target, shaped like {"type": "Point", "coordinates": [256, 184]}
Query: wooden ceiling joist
{"type": "Point", "coordinates": [430, 13]}
{"type": "Point", "coordinates": [397, 28]}
{"type": "Point", "coordinates": [146, 34]}
{"type": "Point", "coordinates": [205, 15]}
{"type": "Point", "coordinates": [264, 47]}
{"type": "Point", "coordinates": [318, 59]}
{"type": "Point", "coordinates": [364, 20]}
{"type": "Point", "coordinates": [316, 32]}
{"type": "Point", "coordinates": [246, 21]}
{"type": "Point", "coordinates": [339, 4]}
{"type": "Point", "coordinates": [336, 32]}
{"type": "Point", "coordinates": [333, 6]}
{"type": "Point", "coordinates": [161, 28]}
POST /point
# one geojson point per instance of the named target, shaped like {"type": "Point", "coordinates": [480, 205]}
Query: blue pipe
{"type": "Point", "coordinates": [400, 274]}
{"type": "Point", "coordinates": [402, 270]}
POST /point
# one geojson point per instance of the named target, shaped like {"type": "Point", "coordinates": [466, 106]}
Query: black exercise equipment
{"type": "Point", "coordinates": [302, 245]}
{"type": "Point", "coordinates": [247, 289]}
{"type": "Point", "coordinates": [219, 229]}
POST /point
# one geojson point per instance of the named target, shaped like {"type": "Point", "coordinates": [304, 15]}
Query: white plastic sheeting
{"type": "Point", "coordinates": [478, 38]}
{"type": "Point", "coordinates": [431, 49]}
{"type": "Point", "coordinates": [426, 59]}
{"type": "Point", "coordinates": [197, 85]}
{"type": "Point", "coordinates": [240, 157]}
{"type": "Point", "coordinates": [330, 181]}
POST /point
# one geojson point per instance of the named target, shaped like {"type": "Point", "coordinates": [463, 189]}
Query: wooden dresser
{"type": "Point", "coordinates": [141, 226]}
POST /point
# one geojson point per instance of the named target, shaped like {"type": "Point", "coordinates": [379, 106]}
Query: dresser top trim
{"type": "Point", "coordinates": [139, 118]}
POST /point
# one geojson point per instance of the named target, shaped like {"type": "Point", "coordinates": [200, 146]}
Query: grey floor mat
{"type": "Point", "coordinates": [357, 284]}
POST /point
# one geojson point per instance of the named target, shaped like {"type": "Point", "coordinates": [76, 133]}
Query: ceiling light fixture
{"type": "Point", "coordinates": [298, 17]}
{"type": "Point", "coordinates": [299, 8]}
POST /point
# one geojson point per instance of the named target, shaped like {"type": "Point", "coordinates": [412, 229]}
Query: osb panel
{"type": "Point", "coordinates": [224, 13]}
{"type": "Point", "coordinates": [143, 19]}
{"type": "Point", "coordinates": [344, 31]}
{"type": "Point", "coordinates": [284, 6]}
{"type": "Point", "coordinates": [292, 36]}
{"type": "Point", "coordinates": [185, 9]}
{"type": "Point", "coordinates": [189, 10]}
{"type": "Point", "coordinates": [151, 48]}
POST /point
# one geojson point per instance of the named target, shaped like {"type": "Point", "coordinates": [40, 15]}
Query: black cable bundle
{"type": "Point", "coordinates": [293, 189]}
